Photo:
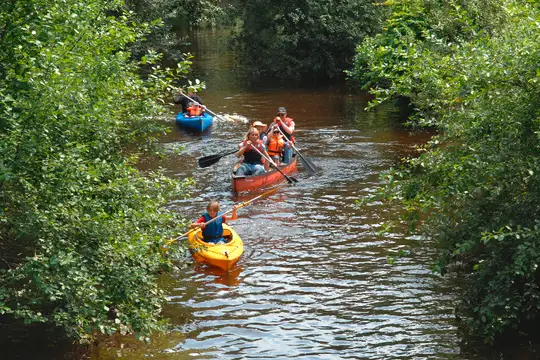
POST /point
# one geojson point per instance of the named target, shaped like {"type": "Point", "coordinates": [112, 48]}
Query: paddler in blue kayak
{"type": "Point", "coordinates": [185, 102]}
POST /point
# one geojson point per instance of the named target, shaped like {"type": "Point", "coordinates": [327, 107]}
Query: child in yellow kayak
{"type": "Point", "coordinates": [211, 223]}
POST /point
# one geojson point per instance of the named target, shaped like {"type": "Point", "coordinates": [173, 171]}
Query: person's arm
{"type": "Point", "coordinates": [288, 129]}
{"type": "Point", "coordinates": [281, 144]}
{"type": "Point", "coordinates": [199, 223]}
{"type": "Point", "coordinates": [198, 99]}
{"type": "Point", "coordinates": [184, 104]}
{"type": "Point", "coordinates": [242, 149]}
{"type": "Point", "coordinates": [178, 97]}
{"type": "Point", "coordinates": [291, 127]}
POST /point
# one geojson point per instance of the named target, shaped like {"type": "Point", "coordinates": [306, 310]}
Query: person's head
{"type": "Point", "coordinates": [276, 132]}
{"type": "Point", "coordinates": [252, 134]}
{"type": "Point", "coordinates": [260, 126]}
{"type": "Point", "coordinates": [212, 208]}
{"type": "Point", "coordinates": [281, 111]}
{"type": "Point", "coordinates": [191, 91]}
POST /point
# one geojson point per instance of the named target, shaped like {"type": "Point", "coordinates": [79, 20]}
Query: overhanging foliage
{"type": "Point", "coordinates": [80, 228]}
{"type": "Point", "coordinates": [472, 70]}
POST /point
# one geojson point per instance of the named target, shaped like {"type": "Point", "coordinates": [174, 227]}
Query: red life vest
{"type": "Point", "coordinates": [275, 145]}
{"type": "Point", "coordinates": [250, 155]}
{"type": "Point", "coordinates": [288, 122]}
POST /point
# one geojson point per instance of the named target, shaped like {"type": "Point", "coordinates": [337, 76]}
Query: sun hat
{"type": "Point", "coordinates": [258, 123]}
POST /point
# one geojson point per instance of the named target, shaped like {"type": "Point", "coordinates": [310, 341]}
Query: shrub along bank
{"type": "Point", "coordinates": [471, 69]}
{"type": "Point", "coordinates": [80, 228]}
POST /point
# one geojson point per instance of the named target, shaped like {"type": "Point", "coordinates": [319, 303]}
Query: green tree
{"type": "Point", "coordinates": [80, 228]}
{"type": "Point", "coordinates": [417, 31]}
{"type": "Point", "coordinates": [475, 76]}
{"type": "Point", "coordinates": [302, 39]}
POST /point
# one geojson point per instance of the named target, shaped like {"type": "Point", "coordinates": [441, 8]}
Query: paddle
{"type": "Point", "coordinates": [290, 179]}
{"type": "Point", "coordinates": [311, 168]}
{"type": "Point", "coordinates": [239, 206]}
{"type": "Point", "coordinates": [212, 159]}
{"type": "Point", "coordinates": [206, 109]}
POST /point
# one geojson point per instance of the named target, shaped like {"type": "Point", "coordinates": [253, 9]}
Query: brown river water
{"type": "Point", "coordinates": [314, 281]}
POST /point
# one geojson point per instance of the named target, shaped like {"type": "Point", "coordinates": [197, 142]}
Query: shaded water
{"type": "Point", "coordinates": [314, 281]}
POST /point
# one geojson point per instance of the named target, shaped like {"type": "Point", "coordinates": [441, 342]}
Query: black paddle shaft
{"type": "Point", "coordinates": [290, 179]}
{"type": "Point", "coordinates": [311, 167]}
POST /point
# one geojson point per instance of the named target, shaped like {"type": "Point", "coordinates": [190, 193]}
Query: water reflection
{"type": "Point", "coordinates": [218, 276]}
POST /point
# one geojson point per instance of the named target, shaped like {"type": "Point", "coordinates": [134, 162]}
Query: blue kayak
{"type": "Point", "coordinates": [198, 123]}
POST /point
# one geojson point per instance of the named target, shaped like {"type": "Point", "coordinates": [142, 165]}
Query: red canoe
{"type": "Point", "coordinates": [260, 182]}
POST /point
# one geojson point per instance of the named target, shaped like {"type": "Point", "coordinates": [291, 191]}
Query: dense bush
{"type": "Point", "coordinates": [302, 39]}
{"type": "Point", "coordinates": [473, 72]}
{"type": "Point", "coordinates": [80, 228]}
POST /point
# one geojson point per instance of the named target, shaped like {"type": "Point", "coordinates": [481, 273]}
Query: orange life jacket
{"type": "Point", "coordinates": [275, 145]}
{"type": "Point", "coordinates": [195, 110]}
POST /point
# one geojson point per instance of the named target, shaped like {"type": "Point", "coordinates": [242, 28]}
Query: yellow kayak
{"type": "Point", "coordinates": [223, 256]}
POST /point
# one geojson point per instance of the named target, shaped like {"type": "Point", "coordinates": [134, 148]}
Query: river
{"type": "Point", "coordinates": [315, 281]}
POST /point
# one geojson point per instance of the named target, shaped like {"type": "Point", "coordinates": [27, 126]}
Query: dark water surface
{"type": "Point", "coordinates": [314, 281]}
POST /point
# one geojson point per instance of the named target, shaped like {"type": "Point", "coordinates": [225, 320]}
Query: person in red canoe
{"type": "Point", "coordinates": [213, 232]}
{"type": "Point", "coordinates": [253, 161]}
{"type": "Point", "coordinates": [286, 124]}
{"type": "Point", "coordinates": [262, 131]}
{"type": "Point", "coordinates": [276, 144]}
